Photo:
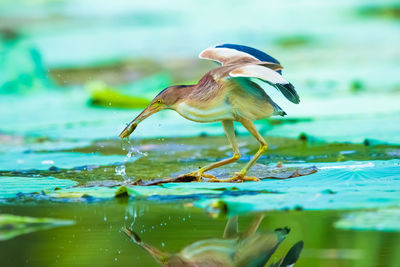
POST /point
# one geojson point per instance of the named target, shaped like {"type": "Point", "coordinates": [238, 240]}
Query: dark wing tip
{"type": "Point", "coordinates": [284, 230]}
{"type": "Point", "coordinates": [293, 254]}
{"type": "Point", "coordinates": [289, 92]}
{"type": "Point", "coordinates": [260, 55]}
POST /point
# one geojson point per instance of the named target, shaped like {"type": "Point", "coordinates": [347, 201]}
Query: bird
{"type": "Point", "coordinates": [227, 94]}
{"type": "Point", "coordinates": [247, 248]}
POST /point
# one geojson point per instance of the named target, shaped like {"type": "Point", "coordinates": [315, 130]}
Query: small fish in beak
{"type": "Point", "coordinates": [150, 110]}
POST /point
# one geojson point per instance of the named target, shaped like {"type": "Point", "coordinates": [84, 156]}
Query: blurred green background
{"type": "Point", "coordinates": [342, 56]}
{"type": "Point", "coordinates": [73, 72]}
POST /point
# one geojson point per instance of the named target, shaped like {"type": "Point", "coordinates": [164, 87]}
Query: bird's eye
{"type": "Point", "coordinates": [159, 101]}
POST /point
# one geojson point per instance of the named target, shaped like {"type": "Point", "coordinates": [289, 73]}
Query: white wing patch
{"type": "Point", "coordinates": [259, 72]}
{"type": "Point", "coordinates": [269, 76]}
{"type": "Point", "coordinates": [223, 55]}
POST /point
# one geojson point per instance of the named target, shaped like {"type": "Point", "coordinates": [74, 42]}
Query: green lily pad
{"type": "Point", "coordinates": [103, 95]}
{"type": "Point", "coordinates": [42, 146]}
{"type": "Point", "coordinates": [12, 225]}
{"type": "Point", "coordinates": [337, 186]}
{"type": "Point", "coordinates": [379, 220]}
{"type": "Point", "coordinates": [355, 185]}
{"type": "Point", "coordinates": [11, 186]}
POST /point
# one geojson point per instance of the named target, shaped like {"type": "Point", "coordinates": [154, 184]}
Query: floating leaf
{"type": "Point", "coordinates": [277, 172]}
{"type": "Point", "coordinates": [356, 185]}
{"type": "Point", "coordinates": [103, 95]}
{"type": "Point", "coordinates": [43, 161]}
{"type": "Point", "coordinates": [348, 185]}
{"type": "Point", "coordinates": [12, 186]}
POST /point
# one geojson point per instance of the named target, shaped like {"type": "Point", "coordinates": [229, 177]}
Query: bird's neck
{"type": "Point", "coordinates": [182, 93]}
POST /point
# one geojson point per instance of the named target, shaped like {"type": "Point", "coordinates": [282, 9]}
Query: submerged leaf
{"type": "Point", "coordinates": [379, 220]}
{"type": "Point", "coordinates": [12, 225]}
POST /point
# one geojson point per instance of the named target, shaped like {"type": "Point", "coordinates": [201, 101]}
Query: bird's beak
{"type": "Point", "coordinates": [150, 110]}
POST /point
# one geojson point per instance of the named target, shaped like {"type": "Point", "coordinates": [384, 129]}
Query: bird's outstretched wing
{"type": "Point", "coordinates": [229, 54]}
{"type": "Point", "coordinates": [269, 76]}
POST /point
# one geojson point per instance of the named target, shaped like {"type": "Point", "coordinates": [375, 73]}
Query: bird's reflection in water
{"type": "Point", "coordinates": [247, 248]}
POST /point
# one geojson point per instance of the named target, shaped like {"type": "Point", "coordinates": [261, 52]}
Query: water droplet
{"type": "Point", "coordinates": [121, 170]}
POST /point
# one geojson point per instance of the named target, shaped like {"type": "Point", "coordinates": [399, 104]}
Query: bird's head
{"type": "Point", "coordinates": [166, 99]}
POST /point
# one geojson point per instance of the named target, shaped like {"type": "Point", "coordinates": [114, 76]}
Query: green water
{"type": "Point", "coordinates": [96, 239]}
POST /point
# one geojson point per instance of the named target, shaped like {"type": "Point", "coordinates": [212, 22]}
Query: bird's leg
{"type": "Point", "coordinates": [231, 228]}
{"type": "Point", "coordinates": [230, 134]}
{"type": "Point", "coordinates": [253, 227]}
{"type": "Point", "coordinates": [240, 176]}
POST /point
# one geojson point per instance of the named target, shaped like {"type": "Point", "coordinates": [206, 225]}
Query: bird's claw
{"type": "Point", "coordinates": [200, 175]}
{"type": "Point", "coordinates": [237, 178]}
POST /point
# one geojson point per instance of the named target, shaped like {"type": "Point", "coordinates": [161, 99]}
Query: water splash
{"type": "Point", "coordinates": [133, 153]}
{"type": "Point", "coordinates": [121, 171]}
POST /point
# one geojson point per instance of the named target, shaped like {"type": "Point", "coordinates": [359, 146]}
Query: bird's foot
{"type": "Point", "coordinates": [239, 177]}
{"type": "Point", "coordinates": [200, 175]}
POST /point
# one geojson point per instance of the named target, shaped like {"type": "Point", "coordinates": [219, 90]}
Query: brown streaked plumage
{"type": "Point", "coordinates": [226, 94]}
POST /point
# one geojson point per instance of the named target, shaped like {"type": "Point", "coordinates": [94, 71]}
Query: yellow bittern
{"type": "Point", "coordinates": [226, 94]}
